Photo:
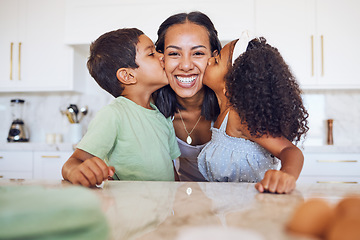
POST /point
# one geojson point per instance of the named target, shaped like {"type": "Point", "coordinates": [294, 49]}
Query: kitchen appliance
{"type": "Point", "coordinates": [17, 132]}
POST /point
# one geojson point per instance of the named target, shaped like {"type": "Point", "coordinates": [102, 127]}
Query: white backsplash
{"type": "Point", "coordinates": [341, 106]}
{"type": "Point", "coordinates": [42, 113]}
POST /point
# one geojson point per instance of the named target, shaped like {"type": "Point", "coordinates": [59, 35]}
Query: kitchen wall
{"type": "Point", "coordinates": [342, 106]}
{"type": "Point", "coordinates": [42, 113]}
{"type": "Point", "coordinates": [42, 110]}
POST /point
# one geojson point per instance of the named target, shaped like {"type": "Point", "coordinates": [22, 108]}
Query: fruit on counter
{"type": "Point", "coordinates": [344, 229]}
{"type": "Point", "coordinates": [348, 207]}
{"type": "Point", "coordinates": [346, 224]}
{"type": "Point", "coordinates": [316, 218]}
{"type": "Point", "coordinates": [311, 218]}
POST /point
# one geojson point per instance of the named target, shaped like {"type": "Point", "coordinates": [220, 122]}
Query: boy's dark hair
{"type": "Point", "coordinates": [108, 53]}
{"type": "Point", "coordinates": [165, 97]}
{"type": "Point", "coordinates": [265, 94]}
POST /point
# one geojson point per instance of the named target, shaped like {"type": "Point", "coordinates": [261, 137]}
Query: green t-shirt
{"type": "Point", "coordinates": [140, 143]}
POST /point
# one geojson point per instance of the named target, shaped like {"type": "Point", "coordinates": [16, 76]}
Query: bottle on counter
{"type": "Point", "coordinates": [330, 137]}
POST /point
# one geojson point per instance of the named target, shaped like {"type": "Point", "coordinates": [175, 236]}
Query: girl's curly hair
{"type": "Point", "coordinates": [265, 94]}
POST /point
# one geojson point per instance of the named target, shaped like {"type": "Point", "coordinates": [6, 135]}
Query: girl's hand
{"type": "Point", "coordinates": [276, 181]}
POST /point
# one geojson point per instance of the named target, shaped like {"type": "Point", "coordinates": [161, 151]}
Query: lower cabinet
{"type": "Point", "coordinates": [342, 168]}
{"type": "Point", "coordinates": [32, 164]}
{"type": "Point", "coordinates": [48, 165]}
{"type": "Point", "coordinates": [17, 165]}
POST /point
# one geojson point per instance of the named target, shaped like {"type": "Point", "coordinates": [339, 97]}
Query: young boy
{"type": "Point", "coordinates": [129, 134]}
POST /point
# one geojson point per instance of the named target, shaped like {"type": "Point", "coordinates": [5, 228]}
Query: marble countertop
{"type": "Point", "coordinates": [29, 146]}
{"type": "Point", "coordinates": [198, 210]}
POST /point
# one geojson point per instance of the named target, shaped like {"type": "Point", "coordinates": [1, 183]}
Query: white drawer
{"type": "Point", "coordinates": [334, 164]}
{"type": "Point", "coordinates": [328, 179]}
{"type": "Point", "coordinates": [48, 165]}
{"type": "Point", "coordinates": [16, 174]}
{"type": "Point", "coordinates": [16, 161]}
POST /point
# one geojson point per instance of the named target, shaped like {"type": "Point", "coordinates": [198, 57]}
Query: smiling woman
{"type": "Point", "coordinates": [188, 41]}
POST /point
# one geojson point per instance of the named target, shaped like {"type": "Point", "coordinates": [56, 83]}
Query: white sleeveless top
{"type": "Point", "coordinates": [188, 169]}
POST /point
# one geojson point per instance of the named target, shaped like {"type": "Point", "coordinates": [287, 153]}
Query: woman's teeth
{"type": "Point", "coordinates": [186, 79]}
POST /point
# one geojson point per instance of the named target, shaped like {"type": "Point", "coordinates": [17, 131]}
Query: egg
{"type": "Point", "coordinates": [344, 229]}
{"type": "Point", "coordinates": [346, 221]}
{"type": "Point", "coordinates": [311, 218]}
{"type": "Point", "coordinates": [348, 207]}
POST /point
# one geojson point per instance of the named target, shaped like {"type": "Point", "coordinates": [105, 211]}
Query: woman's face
{"type": "Point", "coordinates": [218, 66]}
{"type": "Point", "coordinates": [186, 52]}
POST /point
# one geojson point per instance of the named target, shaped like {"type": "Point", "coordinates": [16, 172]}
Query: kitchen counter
{"type": "Point", "coordinates": [29, 146]}
{"type": "Point", "coordinates": [183, 210]}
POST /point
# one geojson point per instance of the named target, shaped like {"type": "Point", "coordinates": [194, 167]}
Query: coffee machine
{"type": "Point", "coordinates": [17, 132]}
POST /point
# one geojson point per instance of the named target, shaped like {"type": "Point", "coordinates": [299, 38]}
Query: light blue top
{"type": "Point", "coordinates": [140, 143]}
{"type": "Point", "coordinates": [231, 159]}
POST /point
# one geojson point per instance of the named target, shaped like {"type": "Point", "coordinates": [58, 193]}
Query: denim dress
{"type": "Point", "coordinates": [231, 159]}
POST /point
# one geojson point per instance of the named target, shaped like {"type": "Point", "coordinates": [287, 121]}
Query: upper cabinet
{"type": "Point", "coordinates": [40, 39]}
{"type": "Point", "coordinates": [34, 56]}
{"type": "Point", "coordinates": [86, 20]}
{"type": "Point", "coordinates": [314, 37]}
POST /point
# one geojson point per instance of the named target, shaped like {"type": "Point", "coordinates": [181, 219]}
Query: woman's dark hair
{"type": "Point", "coordinates": [165, 97]}
{"type": "Point", "coordinates": [108, 53]}
{"type": "Point", "coordinates": [265, 94]}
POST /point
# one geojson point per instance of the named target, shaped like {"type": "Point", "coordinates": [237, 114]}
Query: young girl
{"type": "Point", "coordinates": [261, 114]}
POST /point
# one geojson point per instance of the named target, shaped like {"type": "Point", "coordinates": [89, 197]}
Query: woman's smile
{"type": "Point", "coordinates": [186, 81]}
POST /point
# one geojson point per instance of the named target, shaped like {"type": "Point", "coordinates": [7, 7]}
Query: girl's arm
{"type": "Point", "coordinates": [292, 160]}
{"type": "Point", "coordinates": [291, 157]}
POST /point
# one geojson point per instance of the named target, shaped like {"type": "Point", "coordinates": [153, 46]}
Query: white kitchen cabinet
{"type": "Point", "coordinates": [322, 167]}
{"type": "Point", "coordinates": [48, 165]}
{"type": "Point", "coordinates": [314, 37]}
{"type": "Point", "coordinates": [33, 54]}
{"type": "Point", "coordinates": [86, 20]}
{"type": "Point", "coordinates": [32, 164]}
{"type": "Point", "coordinates": [17, 165]}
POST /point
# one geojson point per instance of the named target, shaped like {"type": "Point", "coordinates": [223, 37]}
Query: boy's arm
{"type": "Point", "coordinates": [85, 169]}
{"type": "Point", "coordinates": [176, 175]}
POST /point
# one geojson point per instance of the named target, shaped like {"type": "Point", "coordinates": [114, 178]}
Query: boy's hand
{"type": "Point", "coordinates": [276, 181]}
{"type": "Point", "coordinates": [90, 172]}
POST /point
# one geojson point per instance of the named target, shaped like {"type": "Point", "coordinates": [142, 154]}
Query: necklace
{"type": "Point", "coordinates": [189, 139]}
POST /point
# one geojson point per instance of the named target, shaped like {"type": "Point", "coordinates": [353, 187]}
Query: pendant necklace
{"type": "Point", "coordinates": [189, 139]}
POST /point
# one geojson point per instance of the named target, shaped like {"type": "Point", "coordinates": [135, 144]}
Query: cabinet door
{"type": "Point", "coordinates": [40, 59]}
{"type": "Point", "coordinates": [48, 165]}
{"type": "Point", "coordinates": [45, 63]}
{"type": "Point", "coordinates": [289, 25]}
{"type": "Point", "coordinates": [16, 164]}
{"type": "Point", "coordinates": [337, 35]}
{"type": "Point", "coordinates": [10, 18]}
{"type": "Point", "coordinates": [331, 166]}
{"type": "Point", "coordinates": [86, 20]}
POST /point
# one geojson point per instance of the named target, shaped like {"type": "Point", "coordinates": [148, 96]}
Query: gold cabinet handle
{"type": "Point", "coordinates": [337, 161]}
{"type": "Point", "coordinates": [11, 59]}
{"type": "Point", "coordinates": [336, 182]}
{"type": "Point", "coordinates": [322, 55]}
{"type": "Point", "coordinates": [312, 55]}
{"type": "Point", "coordinates": [1, 157]}
{"type": "Point", "coordinates": [19, 67]}
{"type": "Point", "coordinates": [47, 156]}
